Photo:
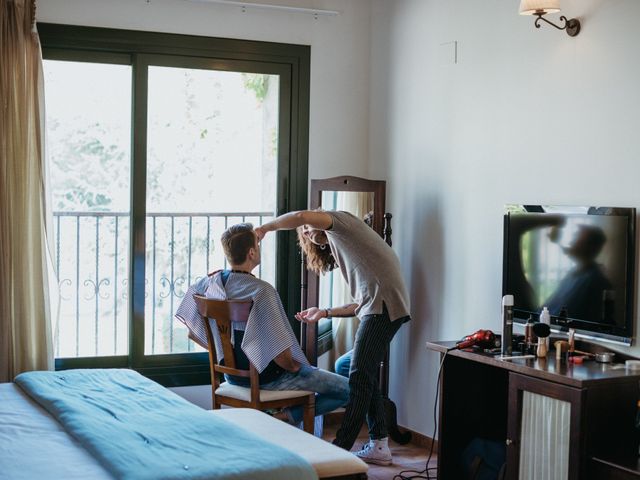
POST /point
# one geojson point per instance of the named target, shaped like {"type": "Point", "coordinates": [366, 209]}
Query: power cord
{"type": "Point", "coordinates": [414, 474]}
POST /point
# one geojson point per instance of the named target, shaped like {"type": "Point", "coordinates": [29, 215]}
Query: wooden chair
{"type": "Point", "coordinates": [225, 312]}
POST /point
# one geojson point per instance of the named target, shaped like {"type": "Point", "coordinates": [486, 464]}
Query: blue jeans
{"type": "Point", "coordinates": [332, 391]}
{"type": "Point", "coordinates": [343, 364]}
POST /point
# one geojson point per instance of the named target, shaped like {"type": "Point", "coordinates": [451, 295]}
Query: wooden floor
{"type": "Point", "coordinates": [405, 457]}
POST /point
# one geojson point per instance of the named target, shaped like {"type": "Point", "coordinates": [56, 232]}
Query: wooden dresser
{"type": "Point", "coordinates": [481, 396]}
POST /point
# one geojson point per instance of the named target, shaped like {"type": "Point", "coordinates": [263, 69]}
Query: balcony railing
{"type": "Point", "coordinates": [92, 264]}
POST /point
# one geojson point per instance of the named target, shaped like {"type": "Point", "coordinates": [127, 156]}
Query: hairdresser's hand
{"type": "Point", "coordinates": [557, 223]}
{"type": "Point", "coordinates": [311, 315]}
{"type": "Point", "coordinates": [554, 234]}
{"type": "Point", "coordinates": [260, 232]}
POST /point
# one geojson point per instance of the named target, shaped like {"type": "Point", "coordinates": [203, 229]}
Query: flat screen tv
{"type": "Point", "coordinates": [579, 262]}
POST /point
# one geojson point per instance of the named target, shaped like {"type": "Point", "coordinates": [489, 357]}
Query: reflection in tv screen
{"type": "Point", "coordinates": [574, 264]}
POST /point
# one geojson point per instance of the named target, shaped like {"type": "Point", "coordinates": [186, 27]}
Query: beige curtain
{"type": "Point", "coordinates": [25, 333]}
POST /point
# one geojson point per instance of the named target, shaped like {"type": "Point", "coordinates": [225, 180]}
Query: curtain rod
{"type": "Point", "coordinates": [269, 6]}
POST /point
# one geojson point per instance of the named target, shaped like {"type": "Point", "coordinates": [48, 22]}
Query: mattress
{"type": "Point", "coordinates": [327, 459]}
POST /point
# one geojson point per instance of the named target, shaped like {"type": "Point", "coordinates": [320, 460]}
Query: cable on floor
{"type": "Point", "coordinates": [414, 474]}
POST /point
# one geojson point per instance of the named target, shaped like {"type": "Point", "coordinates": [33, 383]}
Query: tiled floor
{"type": "Point", "coordinates": [405, 457]}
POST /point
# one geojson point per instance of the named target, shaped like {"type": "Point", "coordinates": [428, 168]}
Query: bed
{"type": "Point", "coordinates": [33, 444]}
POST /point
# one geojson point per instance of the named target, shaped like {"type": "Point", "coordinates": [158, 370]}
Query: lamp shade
{"type": "Point", "coordinates": [537, 7]}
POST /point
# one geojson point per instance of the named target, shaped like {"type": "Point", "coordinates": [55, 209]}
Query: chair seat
{"type": "Point", "coordinates": [244, 393]}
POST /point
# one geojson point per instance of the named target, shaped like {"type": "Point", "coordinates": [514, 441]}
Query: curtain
{"type": "Point", "coordinates": [25, 332]}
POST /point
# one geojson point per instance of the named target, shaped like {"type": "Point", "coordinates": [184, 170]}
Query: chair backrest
{"type": "Point", "coordinates": [224, 312]}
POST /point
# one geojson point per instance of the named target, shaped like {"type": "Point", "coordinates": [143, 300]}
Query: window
{"type": "Point", "coordinates": [156, 143]}
{"type": "Point", "coordinates": [88, 124]}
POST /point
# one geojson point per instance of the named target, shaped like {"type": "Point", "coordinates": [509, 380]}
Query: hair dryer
{"type": "Point", "coordinates": [481, 338]}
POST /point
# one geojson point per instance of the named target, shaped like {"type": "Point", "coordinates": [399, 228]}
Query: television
{"type": "Point", "coordinates": [579, 262]}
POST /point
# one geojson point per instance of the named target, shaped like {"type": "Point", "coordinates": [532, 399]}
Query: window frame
{"type": "Point", "coordinates": [141, 49]}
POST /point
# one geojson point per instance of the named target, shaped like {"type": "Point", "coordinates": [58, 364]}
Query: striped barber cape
{"type": "Point", "coordinates": [267, 333]}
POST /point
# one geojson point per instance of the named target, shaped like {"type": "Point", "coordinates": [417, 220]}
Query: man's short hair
{"type": "Point", "coordinates": [237, 240]}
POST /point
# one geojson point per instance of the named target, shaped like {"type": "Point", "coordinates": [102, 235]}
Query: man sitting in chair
{"type": "Point", "coordinates": [268, 341]}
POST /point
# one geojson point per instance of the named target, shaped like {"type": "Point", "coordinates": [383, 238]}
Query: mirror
{"type": "Point", "coordinates": [336, 336]}
{"type": "Point", "coordinates": [364, 199]}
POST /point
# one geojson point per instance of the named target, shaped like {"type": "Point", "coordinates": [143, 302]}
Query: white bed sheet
{"type": "Point", "coordinates": [34, 445]}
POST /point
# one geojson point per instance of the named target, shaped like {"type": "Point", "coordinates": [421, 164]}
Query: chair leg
{"type": "Point", "coordinates": [308, 416]}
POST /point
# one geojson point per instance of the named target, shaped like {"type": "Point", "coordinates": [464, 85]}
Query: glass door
{"type": "Point", "coordinates": [88, 132]}
{"type": "Point", "coordinates": [212, 148]}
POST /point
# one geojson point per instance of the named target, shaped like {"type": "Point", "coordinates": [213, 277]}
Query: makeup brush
{"type": "Point", "coordinates": [542, 331]}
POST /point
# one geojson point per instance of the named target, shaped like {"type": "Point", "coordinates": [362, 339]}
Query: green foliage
{"type": "Point", "coordinates": [88, 167]}
{"type": "Point", "coordinates": [514, 209]}
{"type": "Point", "coordinates": [90, 161]}
{"type": "Point", "coordinates": [258, 83]}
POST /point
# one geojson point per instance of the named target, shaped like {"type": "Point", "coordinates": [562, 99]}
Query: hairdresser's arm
{"type": "Point", "coordinates": [314, 314]}
{"type": "Point", "coordinates": [291, 220]}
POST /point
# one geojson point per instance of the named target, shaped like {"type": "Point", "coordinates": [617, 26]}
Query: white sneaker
{"type": "Point", "coordinates": [376, 451]}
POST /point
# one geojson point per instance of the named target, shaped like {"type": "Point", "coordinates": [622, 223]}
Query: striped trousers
{"type": "Point", "coordinates": [365, 400]}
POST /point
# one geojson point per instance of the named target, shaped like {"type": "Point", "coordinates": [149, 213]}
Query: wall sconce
{"type": "Point", "coordinates": [542, 7]}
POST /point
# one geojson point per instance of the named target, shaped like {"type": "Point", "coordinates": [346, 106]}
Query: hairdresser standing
{"type": "Point", "coordinates": [372, 271]}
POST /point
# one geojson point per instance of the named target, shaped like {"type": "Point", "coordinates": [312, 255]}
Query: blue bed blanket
{"type": "Point", "coordinates": [138, 429]}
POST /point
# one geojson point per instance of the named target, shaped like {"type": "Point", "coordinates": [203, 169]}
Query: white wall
{"type": "Point", "coordinates": [525, 116]}
{"type": "Point", "coordinates": [339, 118]}
{"type": "Point", "coordinates": [197, 394]}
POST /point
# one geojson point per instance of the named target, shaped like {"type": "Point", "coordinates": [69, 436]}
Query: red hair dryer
{"type": "Point", "coordinates": [481, 338]}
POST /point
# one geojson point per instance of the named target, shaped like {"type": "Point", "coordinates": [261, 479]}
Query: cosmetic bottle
{"type": "Point", "coordinates": [545, 317]}
{"type": "Point", "coordinates": [572, 343]}
{"type": "Point", "coordinates": [530, 337]}
{"type": "Point", "coordinates": [507, 325]}
{"type": "Point", "coordinates": [572, 340]}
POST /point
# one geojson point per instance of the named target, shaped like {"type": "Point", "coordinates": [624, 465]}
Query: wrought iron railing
{"type": "Point", "coordinates": [92, 264]}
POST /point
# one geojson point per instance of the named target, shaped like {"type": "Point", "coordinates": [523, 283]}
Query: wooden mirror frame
{"type": "Point", "coordinates": [310, 287]}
